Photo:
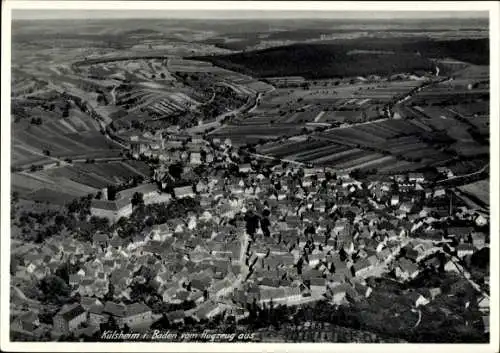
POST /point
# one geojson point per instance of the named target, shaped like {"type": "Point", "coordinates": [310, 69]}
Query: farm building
{"type": "Point", "coordinates": [69, 319]}
{"type": "Point", "coordinates": [150, 194]}
{"type": "Point", "coordinates": [112, 210]}
{"type": "Point", "coordinates": [184, 191]}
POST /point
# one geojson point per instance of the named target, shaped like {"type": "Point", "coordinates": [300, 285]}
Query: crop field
{"type": "Point", "coordinates": [479, 189]}
{"type": "Point", "coordinates": [240, 135]}
{"type": "Point", "coordinates": [470, 149]}
{"type": "Point", "coordinates": [56, 197]}
{"type": "Point", "coordinates": [470, 109]}
{"type": "Point", "coordinates": [290, 148]}
{"type": "Point", "coordinates": [61, 185]}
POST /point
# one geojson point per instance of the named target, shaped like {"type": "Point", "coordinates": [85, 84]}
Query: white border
{"type": "Point", "coordinates": [7, 6]}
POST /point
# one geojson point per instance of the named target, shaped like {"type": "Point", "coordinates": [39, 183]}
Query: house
{"type": "Point", "coordinates": [416, 177]}
{"type": "Point", "coordinates": [394, 200]}
{"type": "Point", "coordinates": [439, 192]}
{"type": "Point", "coordinates": [195, 158]}
{"type": "Point", "coordinates": [69, 319]}
{"type": "Point", "coordinates": [434, 292]}
{"type": "Point", "coordinates": [339, 294]}
{"type": "Point", "coordinates": [478, 240]}
{"type": "Point", "coordinates": [176, 316]}
{"type": "Point", "coordinates": [406, 207]}
{"type": "Point", "coordinates": [362, 267]}
{"type": "Point", "coordinates": [406, 269]}
{"type": "Point", "coordinates": [74, 279]}
{"type": "Point", "coordinates": [465, 249]}
{"type": "Point", "coordinates": [206, 311]}
{"type": "Point", "coordinates": [184, 191]}
{"type": "Point", "coordinates": [245, 168]}
{"type": "Point", "coordinates": [25, 322]}
{"type": "Point", "coordinates": [97, 315]}
{"type": "Point", "coordinates": [480, 220]}
{"type": "Point", "coordinates": [419, 299]}
{"type": "Point", "coordinates": [137, 314]}
{"type": "Point", "coordinates": [112, 210]}
{"type": "Point", "coordinates": [118, 311]}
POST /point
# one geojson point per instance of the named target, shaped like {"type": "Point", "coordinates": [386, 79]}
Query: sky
{"type": "Point", "coordinates": [245, 14]}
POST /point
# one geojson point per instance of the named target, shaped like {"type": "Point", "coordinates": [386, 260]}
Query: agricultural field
{"type": "Point", "coordinates": [479, 189]}
{"type": "Point", "coordinates": [58, 130]}
{"type": "Point", "coordinates": [59, 185]}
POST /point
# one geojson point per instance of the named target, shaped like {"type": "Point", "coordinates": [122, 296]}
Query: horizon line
{"type": "Point", "coordinates": [110, 14]}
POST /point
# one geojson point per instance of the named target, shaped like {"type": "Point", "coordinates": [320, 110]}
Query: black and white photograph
{"type": "Point", "coordinates": [249, 175]}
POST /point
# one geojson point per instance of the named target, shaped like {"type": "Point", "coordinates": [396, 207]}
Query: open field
{"type": "Point", "coordinates": [62, 184]}
{"type": "Point", "coordinates": [479, 189]}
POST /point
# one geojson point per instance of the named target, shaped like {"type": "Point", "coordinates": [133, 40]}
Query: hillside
{"type": "Point", "coordinates": [336, 59]}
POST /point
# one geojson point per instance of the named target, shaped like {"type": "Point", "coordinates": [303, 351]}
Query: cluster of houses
{"type": "Point", "coordinates": [318, 237]}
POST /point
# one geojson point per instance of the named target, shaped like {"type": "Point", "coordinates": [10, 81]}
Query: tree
{"type": "Point", "coordinates": [137, 199]}
{"type": "Point", "coordinates": [112, 191]}
{"type": "Point", "coordinates": [54, 289]}
{"type": "Point", "coordinates": [15, 197]}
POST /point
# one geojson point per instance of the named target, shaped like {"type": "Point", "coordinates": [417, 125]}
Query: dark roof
{"type": "Point", "coordinates": [144, 189]}
{"type": "Point", "coordinates": [110, 205]}
{"type": "Point", "coordinates": [363, 263]}
{"type": "Point", "coordinates": [72, 313]}
{"type": "Point", "coordinates": [115, 309]}
{"type": "Point", "coordinates": [175, 315]}
{"type": "Point", "coordinates": [137, 308]}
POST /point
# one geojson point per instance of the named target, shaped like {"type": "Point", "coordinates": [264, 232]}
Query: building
{"type": "Point", "coordinates": [465, 249]}
{"type": "Point", "coordinates": [137, 314]}
{"type": "Point", "coordinates": [25, 322]}
{"type": "Point", "coordinates": [184, 191]}
{"type": "Point", "coordinates": [69, 319]}
{"type": "Point", "coordinates": [406, 269]}
{"type": "Point", "coordinates": [416, 177]}
{"type": "Point", "coordinates": [150, 194]}
{"type": "Point", "coordinates": [362, 267]}
{"type": "Point", "coordinates": [112, 210]}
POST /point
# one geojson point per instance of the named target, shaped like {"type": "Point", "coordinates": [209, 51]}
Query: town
{"type": "Point", "coordinates": [259, 233]}
{"type": "Point", "coordinates": [300, 182]}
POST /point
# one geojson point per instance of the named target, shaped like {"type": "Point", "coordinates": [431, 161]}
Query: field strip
{"type": "Point", "coordinates": [321, 113]}
{"type": "Point", "coordinates": [335, 156]}
{"type": "Point", "coordinates": [76, 187]}
{"type": "Point", "coordinates": [45, 143]}
{"type": "Point", "coordinates": [38, 178]}
{"type": "Point", "coordinates": [75, 143]}
{"type": "Point", "coordinates": [83, 123]}
{"type": "Point", "coordinates": [369, 163]}
{"type": "Point", "coordinates": [68, 126]}
{"type": "Point", "coordinates": [128, 166]}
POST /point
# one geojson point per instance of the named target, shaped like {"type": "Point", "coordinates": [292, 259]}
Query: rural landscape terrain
{"type": "Point", "coordinates": [314, 180]}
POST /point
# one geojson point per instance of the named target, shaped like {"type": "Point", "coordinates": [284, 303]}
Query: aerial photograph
{"type": "Point", "coordinates": [257, 177]}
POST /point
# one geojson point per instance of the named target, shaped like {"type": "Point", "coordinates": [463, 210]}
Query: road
{"type": "Point", "coordinates": [257, 155]}
{"type": "Point", "coordinates": [347, 126]}
{"type": "Point", "coordinates": [479, 171]}
{"type": "Point", "coordinates": [218, 120]}
{"type": "Point", "coordinates": [380, 268]}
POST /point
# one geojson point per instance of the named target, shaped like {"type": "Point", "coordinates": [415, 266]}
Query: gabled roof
{"type": "Point", "coordinates": [137, 308]}
{"type": "Point", "coordinates": [110, 205]}
{"type": "Point", "coordinates": [72, 313]}
{"type": "Point", "coordinates": [114, 309]}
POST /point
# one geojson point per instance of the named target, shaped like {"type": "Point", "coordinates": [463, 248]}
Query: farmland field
{"type": "Point", "coordinates": [479, 189]}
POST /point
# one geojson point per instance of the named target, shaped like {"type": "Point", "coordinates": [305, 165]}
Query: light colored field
{"type": "Point", "coordinates": [479, 189]}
